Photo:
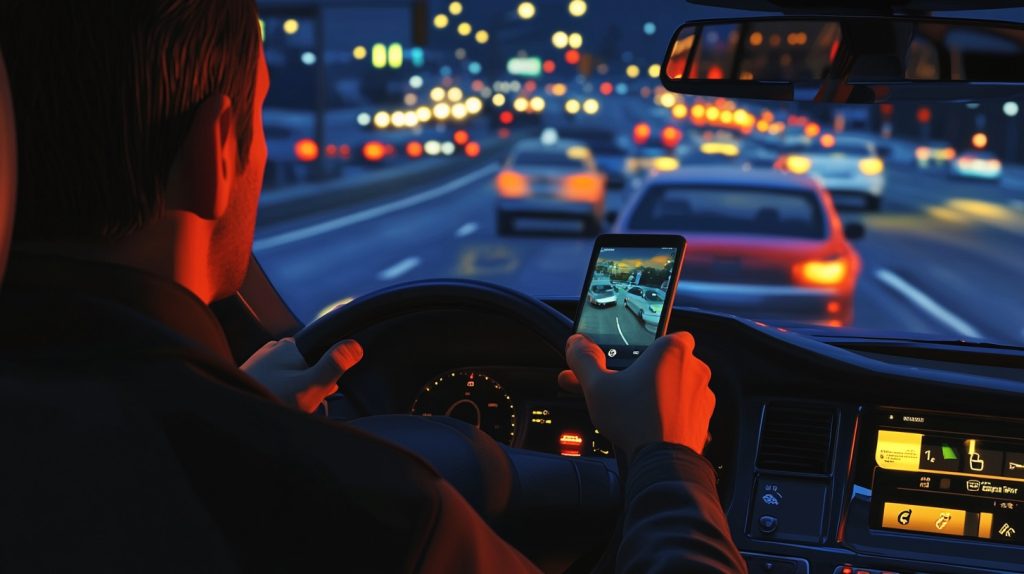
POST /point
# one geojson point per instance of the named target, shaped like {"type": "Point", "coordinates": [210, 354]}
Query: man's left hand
{"type": "Point", "coordinates": [280, 367]}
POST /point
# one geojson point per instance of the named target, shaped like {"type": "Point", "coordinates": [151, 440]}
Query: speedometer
{"type": "Point", "coordinates": [472, 397]}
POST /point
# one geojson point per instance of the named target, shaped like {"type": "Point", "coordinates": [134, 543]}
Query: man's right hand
{"type": "Point", "coordinates": [662, 397]}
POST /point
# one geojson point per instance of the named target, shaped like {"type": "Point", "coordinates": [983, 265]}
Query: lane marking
{"type": "Point", "coordinates": [296, 235]}
{"type": "Point", "coordinates": [619, 327]}
{"type": "Point", "coordinates": [398, 269]}
{"type": "Point", "coordinates": [927, 304]}
{"type": "Point", "coordinates": [467, 229]}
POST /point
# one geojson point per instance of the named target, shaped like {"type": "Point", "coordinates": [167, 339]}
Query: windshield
{"type": "Point", "coordinates": [400, 143]}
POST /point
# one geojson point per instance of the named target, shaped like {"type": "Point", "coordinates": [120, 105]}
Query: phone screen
{"type": "Point", "coordinates": [628, 294]}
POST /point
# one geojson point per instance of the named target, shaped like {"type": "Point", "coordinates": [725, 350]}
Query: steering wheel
{"type": "Point", "coordinates": [515, 490]}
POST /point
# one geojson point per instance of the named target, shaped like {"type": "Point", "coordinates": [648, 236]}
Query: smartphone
{"type": "Point", "coordinates": [628, 293]}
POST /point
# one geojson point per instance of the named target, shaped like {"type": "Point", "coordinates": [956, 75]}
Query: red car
{"type": "Point", "coordinates": [760, 244]}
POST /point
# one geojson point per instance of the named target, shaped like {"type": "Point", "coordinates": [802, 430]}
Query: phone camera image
{"type": "Point", "coordinates": [626, 298]}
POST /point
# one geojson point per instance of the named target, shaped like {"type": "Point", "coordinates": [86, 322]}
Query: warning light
{"type": "Point", "coordinates": [460, 137]}
{"type": "Point", "coordinates": [571, 443]}
{"type": "Point", "coordinates": [472, 149]}
{"type": "Point", "coordinates": [306, 150]}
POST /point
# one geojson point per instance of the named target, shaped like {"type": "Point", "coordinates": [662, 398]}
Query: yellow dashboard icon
{"type": "Point", "coordinates": [932, 519]}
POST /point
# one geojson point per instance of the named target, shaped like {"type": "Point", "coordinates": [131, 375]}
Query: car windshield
{"type": "Point", "coordinates": [730, 211]}
{"type": "Point", "coordinates": [395, 139]}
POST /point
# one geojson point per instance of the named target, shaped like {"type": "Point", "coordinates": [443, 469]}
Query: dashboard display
{"type": "Point", "coordinates": [473, 397]}
{"type": "Point", "coordinates": [947, 475]}
{"type": "Point", "coordinates": [564, 429]}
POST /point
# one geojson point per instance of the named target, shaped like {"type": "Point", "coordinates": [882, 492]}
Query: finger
{"type": "Point", "coordinates": [569, 383]}
{"type": "Point", "coordinates": [585, 358]}
{"type": "Point", "coordinates": [334, 363]}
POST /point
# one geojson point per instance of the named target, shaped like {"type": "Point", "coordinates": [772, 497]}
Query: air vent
{"type": "Point", "coordinates": [796, 438]}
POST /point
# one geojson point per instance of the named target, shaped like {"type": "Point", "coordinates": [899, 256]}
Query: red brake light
{"type": "Point", "coordinates": [414, 149]}
{"type": "Point", "coordinates": [641, 133]}
{"type": "Point", "coordinates": [512, 184]}
{"type": "Point", "coordinates": [374, 151]}
{"type": "Point", "coordinates": [460, 137]}
{"type": "Point", "coordinates": [822, 273]}
{"type": "Point", "coordinates": [307, 150]}
{"type": "Point", "coordinates": [671, 136]}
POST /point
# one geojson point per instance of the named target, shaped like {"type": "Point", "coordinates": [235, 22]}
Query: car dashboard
{"type": "Point", "coordinates": [837, 456]}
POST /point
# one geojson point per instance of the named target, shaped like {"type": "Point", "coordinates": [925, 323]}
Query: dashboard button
{"type": "Point", "coordinates": [930, 519]}
{"type": "Point", "coordinates": [767, 524]}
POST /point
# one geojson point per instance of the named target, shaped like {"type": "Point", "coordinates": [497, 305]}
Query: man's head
{"type": "Point", "coordinates": [134, 111]}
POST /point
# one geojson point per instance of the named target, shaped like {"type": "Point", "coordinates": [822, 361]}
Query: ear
{"type": "Point", "coordinates": [205, 169]}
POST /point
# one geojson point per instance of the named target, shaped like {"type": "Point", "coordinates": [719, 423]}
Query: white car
{"type": "Point", "coordinates": [602, 295]}
{"type": "Point", "coordinates": [848, 166]}
{"type": "Point", "coordinates": [975, 164]}
{"type": "Point", "coordinates": [646, 303]}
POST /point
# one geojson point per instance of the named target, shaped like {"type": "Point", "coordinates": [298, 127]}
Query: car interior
{"type": "Point", "coordinates": [836, 451]}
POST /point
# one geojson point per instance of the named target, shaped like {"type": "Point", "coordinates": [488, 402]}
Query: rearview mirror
{"type": "Point", "coordinates": [847, 59]}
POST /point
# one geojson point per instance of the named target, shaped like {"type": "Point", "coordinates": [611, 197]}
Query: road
{"type": "Point", "coordinates": [615, 325]}
{"type": "Point", "coordinates": [943, 257]}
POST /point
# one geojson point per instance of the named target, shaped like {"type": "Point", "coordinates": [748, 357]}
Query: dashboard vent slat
{"type": "Point", "coordinates": [796, 438]}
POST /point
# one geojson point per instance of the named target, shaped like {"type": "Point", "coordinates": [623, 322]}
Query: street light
{"type": "Point", "coordinates": [560, 40]}
{"type": "Point", "coordinates": [1011, 109]}
{"type": "Point", "coordinates": [575, 40]}
{"type": "Point", "coordinates": [526, 10]}
{"type": "Point", "coordinates": [577, 8]}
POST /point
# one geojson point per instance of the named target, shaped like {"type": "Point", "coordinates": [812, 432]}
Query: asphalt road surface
{"type": "Point", "coordinates": [942, 257]}
{"type": "Point", "coordinates": [615, 325]}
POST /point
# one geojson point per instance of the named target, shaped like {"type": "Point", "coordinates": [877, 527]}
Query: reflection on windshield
{"type": "Point", "coordinates": [406, 147]}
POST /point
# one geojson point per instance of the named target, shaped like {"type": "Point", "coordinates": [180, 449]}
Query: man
{"type": "Point", "coordinates": [142, 156]}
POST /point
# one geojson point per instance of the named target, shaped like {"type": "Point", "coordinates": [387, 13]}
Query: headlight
{"type": "Point", "coordinates": [871, 166]}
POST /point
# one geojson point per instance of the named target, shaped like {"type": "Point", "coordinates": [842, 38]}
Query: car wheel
{"type": "Point", "coordinates": [505, 224]}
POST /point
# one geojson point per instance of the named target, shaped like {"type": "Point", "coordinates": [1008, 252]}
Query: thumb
{"type": "Point", "coordinates": [335, 362]}
{"type": "Point", "coordinates": [569, 383]}
{"type": "Point", "coordinates": [585, 358]}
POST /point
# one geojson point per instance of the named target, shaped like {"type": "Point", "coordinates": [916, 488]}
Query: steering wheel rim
{"type": "Point", "coordinates": [316, 338]}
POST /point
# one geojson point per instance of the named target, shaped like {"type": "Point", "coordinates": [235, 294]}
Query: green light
{"type": "Point", "coordinates": [948, 453]}
{"type": "Point", "coordinates": [395, 55]}
{"type": "Point", "coordinates": [379, 56]}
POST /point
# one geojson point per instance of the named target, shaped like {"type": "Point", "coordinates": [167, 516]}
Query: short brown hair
{"type": "Point", "coordinates": [104, 94]}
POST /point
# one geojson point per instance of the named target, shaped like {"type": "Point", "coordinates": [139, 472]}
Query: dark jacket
{"type": "Point", "coordinates": [131, 442]}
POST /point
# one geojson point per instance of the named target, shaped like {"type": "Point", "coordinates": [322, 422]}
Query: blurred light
{"type": "Point", "coordinates": [828, 141]}
{"type": "Point", "coordinates": [465, 29]}
{"type": "Point", "coordinates": [572, 57]}
{"type": "Point", "coordinates": [374, 151]}
{"type": "Point", "coordinates": [922, 153]}
{"type": "Point", "coordinates": [812, 130]}
{"type": "Point", "coordinates": [621, 88]}
{"type": "Point", "coordinates": [506, 117]}
{"type": "Point", "coordinates": [416, 82]}
{"type": "Point", "coordinates": [641, 133]}
{"type": "Point", "coordinates": [395, 55]}
{"type": "Point", "coordinates": [924, 115]}
{"type": "Point", "coordinates": [381, 120]}
{"type": "Point", "coordinates": [572, 106]}
{"type": "Point", "coordinates": [364, 119]}
{"type": "Point", "coordinates": [414, 149]}
{"type": "Point", "coordinates": [577, 8]}
{"type": "Point", "coordinates": [411, 119]}
{"type": "Point", "coordinates": [423, 114]}
{"type": "Point", "coordinates": [307, 150]}
{"type": "Point", "coordinates": [947, 154]}
{"type": "Point", "coordinates": [503, 133]}
{"type": "Point", "coordinates": [474, 105]}
{"type": "Point", "coordinates": [445, 70]}
{"type": "Point", "coordinates": [602, 68]}
{"type": "Point", "coordinates": [331, 150]}
{"type": "Point", "coordinates": [671, 136]}
{"type": "Point", "coordinates": [797, 164]}
{"type": "Point", "coordinates": [776, 128]}
{"type": "Point", "coordinates": [460, 137]}
{"type": "Point", "coordinates": [447, 148]}
{"type": "Point", "coordinates": [291, 26]}
{"type": "Point", "coordinates": [558, 90]}
{"type": "Point", "coordinates": [526, 10]}
{"type": "Point", "coordinates": [727, 149]}
{"type": "Point", "coordinates": [455, 94]}
{"type": "Point", "coordinates": [1011, 109]}
{"type": "Point", "coordinates": [521, 104]}
{"type": "Point", "coordinates": [653, 70]}
{"type": "Point", "coordinates": [460, 53]}
{"type": "Point", "coordinates": [417, 56]}
{"type": "Point", "coordinates": [512, 184]}
{"type": "Point", "coordinates": [437, 94]}
{"type": "Point", "coordinates": [459, 111]}
{"type": "Point", "coordinates": [633, 71]}
{"type": "Point", "coordinates": [524, 66]}
{"type": "Point", "coordinates": [263, 30]}
{"type": "Point", "coordinates": [560, 40]}
{"type": "Point", "coordinates": [442, 111]}
{"type": "Point", "coordinates": [549, 136]}
{"type": "Point", "coordinates": [549, 66]}
{"type": "Point", "coordinates": [398, 119]}
{"type": "Point", "coordinates": [606, 88]}
{"type": "Point", "coordinates": [575, 40]}
{"type": "Point", "coordinates": [650, 28]}
{"type": "Point", "coordinates": [359, 52]}
{"type": "Point", "coordinates": [712, 113]}
{"type": "Point", "coordinates": [679, 111]}
{"type": "Point", "coordinates": [756, 39]}
{"type": "Point", "coordinates": [698, 111]}
{"type": "Point", "coordinates": [409, 99]}
{"type": "Point", "coordinates": [871, 166]}
{"type": "Point", "coordinates": [762, 125]}
{"type": "Point", "coordinates": [972, 105]}
{"type": "Point", "coordinates": [379, 56]}
{"type": "Point", "coordinates": [979, 140]}
{"type": "Point", "coordinates": [498, 100]}
{"type": "Point", "coordinates": [441, 21]}
{"type": "Point", "coordinates": [472, 149]}
{"type": "Point", "coordinates": [591, 106]}
{"type": "Point", "coordinates": [537, 104]}
{"type": "Point", "coordinates": [667, 100]}
{"type": "Point", "coordinates": [665, 163]}
{"type": "Point", "coordinates": [727, 117]}
{"type": "Point", "coordinates": [432, 147]}
{"type": "Point", "coordinates": [482, 36]}
{"type": "Point", "coordinates": [828, 272]}
{"type": "Point", "coordinates": [455, 8]}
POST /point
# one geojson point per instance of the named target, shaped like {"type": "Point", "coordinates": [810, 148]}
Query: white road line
{"type": "Point", "coordinates": [398, 269]}
{"type": "Point", "coordinates": [619, 327]}
{"type": "Point", "coordinates": [927, 304]}
{"type": "Point", "coordinates": [289, 237]}
{"type": "Point", "coordinates": [467, 229]}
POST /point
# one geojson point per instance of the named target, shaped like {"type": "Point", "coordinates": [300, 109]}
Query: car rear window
{"type": "Point", "coordinates": [653, 296]}
{"type": "Point", "coordinates": [601, 288]}
{"type": "Point", "coordinates": [727, 210]}
{"type": "Point", "coordinates": [547, 159]}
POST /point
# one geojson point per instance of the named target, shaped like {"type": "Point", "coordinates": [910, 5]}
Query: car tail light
{"type": "Point", "coordinates": [307, 150]}
{"type": "Point", "coordinates": [822, 272]}
{"type": "Point", "coordinates": [583, 187]}
{"type": "Point", "coordinates": [665, 164]}
{"type": "Point", "coordinates": [947, 154]}
{"type": "Point", "coordinates": [512, 184]}
{"type": "Point", "coordinates": [871, 166]}
{"type": "Point", "coordinates": [798, 164]}
{"type": "Point", "coordinates": [374, 151]}
{"type": "Point", "coordinates": [641, 133]}
{"type": "Point", "coordinates": [671, 136]}
{"type": "Point", "coordinates": [414, 149]}
{"type": "Point", "coordinates": [921, 153]}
